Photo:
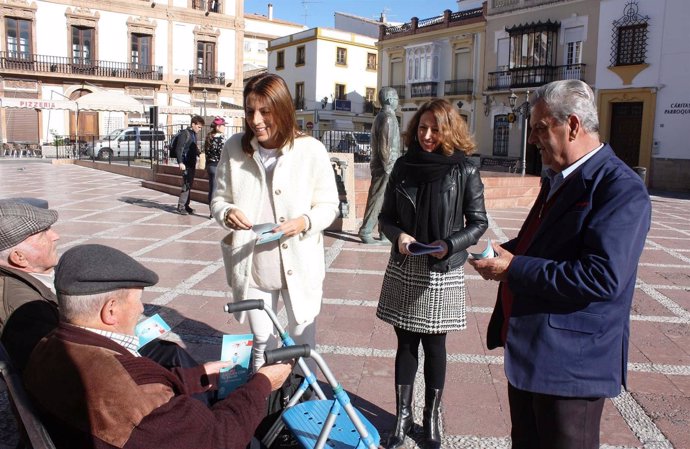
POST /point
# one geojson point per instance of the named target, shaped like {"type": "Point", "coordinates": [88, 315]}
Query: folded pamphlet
{"type": "Point", "coordinates": [150, 329]}
{"type": "Point", "coordinates": [417, 249]}
{"type": "Point", "coordinates": [238, 350]}
{"type": "Point", "coordinates": [265, 233]}
{"type": "Point", "coordinates": [487, 253]}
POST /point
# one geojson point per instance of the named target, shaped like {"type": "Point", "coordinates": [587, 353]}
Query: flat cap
{"type": "Point", "coordinates": [20, 220]}
{"type": "Point", "coordinates": [91, 269]}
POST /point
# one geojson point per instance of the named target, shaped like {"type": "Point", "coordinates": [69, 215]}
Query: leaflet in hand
{"type": "Point", "coordinates": [417, 249]}
{"type": "Point", "coordinates": [487, 253]}
{"type": "Point", "coordinates": [263, 231]}
{"type": "Point", "coordinates": [150, 329]}
{"type": "Point", "coordinates": [238, 350]}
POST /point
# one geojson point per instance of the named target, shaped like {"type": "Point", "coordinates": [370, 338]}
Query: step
{"type": "Point", "coordinates": [200, 196]}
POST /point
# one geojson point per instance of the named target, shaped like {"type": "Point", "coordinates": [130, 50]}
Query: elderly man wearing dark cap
{"type": "Point", "coordinates": [28, 254]}
{"type": "Point", "coordinates": [92, 388]}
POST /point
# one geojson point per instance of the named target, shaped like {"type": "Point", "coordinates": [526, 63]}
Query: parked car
{"type": "Point", "coordinates": [357, 142]}
{"type": "Point", "coordinates": [130, 143]}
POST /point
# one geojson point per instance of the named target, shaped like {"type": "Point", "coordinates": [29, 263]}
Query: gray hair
{"type": "Point", "coordinates": [74, 308]}
{"type": "Point", "coordinates": [570, 97]}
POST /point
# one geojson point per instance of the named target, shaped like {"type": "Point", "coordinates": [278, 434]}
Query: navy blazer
{"type": "Point", "coordinates": [570, 322]}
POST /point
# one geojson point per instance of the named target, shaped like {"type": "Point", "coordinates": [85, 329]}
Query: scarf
{"type": "Point", "coordinates": [428, 170]}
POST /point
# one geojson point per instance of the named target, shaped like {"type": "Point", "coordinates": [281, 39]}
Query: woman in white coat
{"type": "Point", "coordinates": [272, 173]}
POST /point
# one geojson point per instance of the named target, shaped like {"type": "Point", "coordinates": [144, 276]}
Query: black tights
{"type": "Point", "coordinates": [407, 358]}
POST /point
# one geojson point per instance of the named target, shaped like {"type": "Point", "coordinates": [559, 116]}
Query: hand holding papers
{"type": "Point", "coordinates": [265, 234]}
{"type": "Point", "coordinates": [487, 253]}
{"type": "Point", "coordinates": [417, 249]}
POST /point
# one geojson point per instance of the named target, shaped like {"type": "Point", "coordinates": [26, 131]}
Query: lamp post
{"type": "Point", "coordinates": [205, 94]}
{"type": "Point", "coordinates": [523, 111]}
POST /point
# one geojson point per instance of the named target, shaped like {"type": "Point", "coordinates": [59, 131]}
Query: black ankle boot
{"type": "Point", "coordinates": [432, 431]}
{"type": "Point", "coordinates": [403, 421]}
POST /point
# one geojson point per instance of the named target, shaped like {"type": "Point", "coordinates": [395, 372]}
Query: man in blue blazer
{"type": "Point", "coordinates": [567, 280]}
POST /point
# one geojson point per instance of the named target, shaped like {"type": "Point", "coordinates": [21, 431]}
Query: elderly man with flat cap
{"type": "Point", "coordinates": [94, 390]}
{"type": "Point", "coordinates": [28, 254]}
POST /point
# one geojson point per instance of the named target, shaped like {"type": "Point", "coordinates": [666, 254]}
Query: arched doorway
{"type": "Point", "coordinates": [85, 124]}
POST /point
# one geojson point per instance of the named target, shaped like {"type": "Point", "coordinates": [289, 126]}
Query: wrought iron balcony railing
{"type": "Point", "coordinates": [206, 77]}
{"type": "Point", "coordinates": [427, 89]}
{"type": "Point", "coordinates": [534, 76]}
{"type": "Point", "coordinates": [458, 87]}
{"type": "Point", "coordinates": [61, 65]}
{"type": "Point", "coordinates": [400, 89]}
{"type": "Point", "coordinates": [299, 103]}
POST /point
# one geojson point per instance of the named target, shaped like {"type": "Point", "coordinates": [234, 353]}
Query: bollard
{"type": "Point", "coordinates": [642, 173]}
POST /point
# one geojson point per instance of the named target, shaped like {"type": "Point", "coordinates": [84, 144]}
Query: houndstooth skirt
{"type": "Point", "coordinates": [418, 300]}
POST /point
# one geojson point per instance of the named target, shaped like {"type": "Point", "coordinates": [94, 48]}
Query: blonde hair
{"type": "Point", "coordinates": [453, 130]}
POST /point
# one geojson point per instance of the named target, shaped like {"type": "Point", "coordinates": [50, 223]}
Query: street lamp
{"type": "Point", "coordinates": [523, 111]}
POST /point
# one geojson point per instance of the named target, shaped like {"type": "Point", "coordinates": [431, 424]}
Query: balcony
{"type": "Point", "coordinates": [206, 77]}
{"type": "Point", "coordinates": [299, 103]}
{"type": "Point", "coordinates": [458, 87]}
{"type": "Point", "coordinates": [534, 76]}
{"type": "Point", "coordinates": [400, 89]}
{"type": "Point", "coordinates": [58, 65]}
{"type": "Point", "coordinates": [427, 89]}
{"type": "Point", "coordinates": [206, 5]}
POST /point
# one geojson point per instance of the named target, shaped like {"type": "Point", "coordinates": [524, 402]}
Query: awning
{"type": "Point", "coordinates": [34, 103]}
{"type": "Point", "coordinates": [106, 100]}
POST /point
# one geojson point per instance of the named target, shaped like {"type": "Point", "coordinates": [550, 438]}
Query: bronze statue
{"type": "Point", "coordinates": [385, 149]}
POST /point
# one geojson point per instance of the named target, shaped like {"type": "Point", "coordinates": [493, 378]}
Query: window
{"type": "Point", "coordinates": [280, 59]}
{"type": "Point", "coordinates": [501, 129]}
{"type": "Point", "coordinates": [301, 55]}
{"type": "Point", "coordinates": [370, 94]}
{"type": "Point", "coordinates": [205, 55]}
{"type": "Point", "coordinates": [574, 37]}
{"type": "Point", "coordinates": [371, 61]}
{"type": "Point", "coordinates": [423, 64]}
{"type": "Point", "coordinates": [206, 5]}
{"type": "Point", "coordinates": [503, 53]}
{"type": "Point", "coordinates": [18, 38]}
{"type": "Point", "coordinates": [341, 56]}
{"type": "Point", "coordinates": [340, 92]}
{"type": "Point", "coordinates": [632, 44]}
{"type": "Point", "coordinates": [463, 66]}
{"type": "Point", "coordinates": [533, 49]}
{"type": "Point", "coordinates": [141, 50]}
{"type": "Point", "coordinates": [629, 45]}
{"type": "Point", "coordinates": [82, 45]}
{"type": "Point", "coordinates": [299, 95]}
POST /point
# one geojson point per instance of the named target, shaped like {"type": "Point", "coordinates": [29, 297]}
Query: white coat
{"type": "Point", "coordinates": [303, 184]}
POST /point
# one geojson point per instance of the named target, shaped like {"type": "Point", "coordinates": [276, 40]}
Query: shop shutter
{"type": "Point", "coordinates": [22, 124]}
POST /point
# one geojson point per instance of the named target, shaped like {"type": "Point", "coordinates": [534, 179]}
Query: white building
{"type": "Point", "coordinates": [331, 75]}
{"type": "Point", "coordinates": [643, 67]}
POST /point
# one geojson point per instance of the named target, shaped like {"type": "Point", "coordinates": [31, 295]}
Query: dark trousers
{"type": "Point", "coordinates": [187, 182]}
{"type": "Point", "coordinates": [542, 421]}
{"type": "Point", "coordinates": [211, 168]}
{"type": "Point", "coordinates": [407, 358]}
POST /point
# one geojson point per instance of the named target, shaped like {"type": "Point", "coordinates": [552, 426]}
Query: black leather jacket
{"type": "Point", "coordinates": [464, 215]}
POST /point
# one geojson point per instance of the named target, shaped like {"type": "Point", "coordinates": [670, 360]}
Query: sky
{"type": "Point", "coordinates": [313, 13]}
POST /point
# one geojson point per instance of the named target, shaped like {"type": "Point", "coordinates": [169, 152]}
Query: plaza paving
{"type": "Point", "coordinates": [100, 207]}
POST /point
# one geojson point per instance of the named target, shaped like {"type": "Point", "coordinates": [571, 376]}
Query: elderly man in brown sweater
{"type": "Point", "coordinates": [93, 389]}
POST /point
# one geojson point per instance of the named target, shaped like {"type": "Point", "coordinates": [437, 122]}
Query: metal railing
{"type": "Point", "coordinates": [68, 66]}
{"type": "Point", "coordinates": [198, 76]}
{"type": "Point", "coordinates": [458, 87]}
{"type": "Point", "coordinates": [426, 89]}
{"type": "Point", "coordinates": [534, 76]}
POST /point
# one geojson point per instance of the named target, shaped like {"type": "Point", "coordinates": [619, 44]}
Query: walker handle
{"type": "Point", "coordinates": [286, 353]}
{"type": "Point", "coordinates": [241, 306]}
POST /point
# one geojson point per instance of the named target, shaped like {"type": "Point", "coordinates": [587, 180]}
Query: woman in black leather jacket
{"type": "Point", "coordinates": [435, 197]}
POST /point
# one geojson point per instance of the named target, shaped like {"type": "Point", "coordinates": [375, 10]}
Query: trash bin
{"type": "Point", "coordinates": [641, 172]}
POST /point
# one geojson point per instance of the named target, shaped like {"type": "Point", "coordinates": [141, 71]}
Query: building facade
{"type": "Point", "coordinates": [642, 86]}
{"type": "Point", "coordinates": [434, 57]}
{"type": "Point", "coordinates": [183, 56]}
{"type": "Point", "coordinates": [530, 43]}
{"type": "Point", "coordinates": [331, 75]}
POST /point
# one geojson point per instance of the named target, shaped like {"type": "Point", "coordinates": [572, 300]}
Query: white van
{"type": "Point", "coordinates": [126, 143]}
{"type": "Point", "coordinates": [357, 142]}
